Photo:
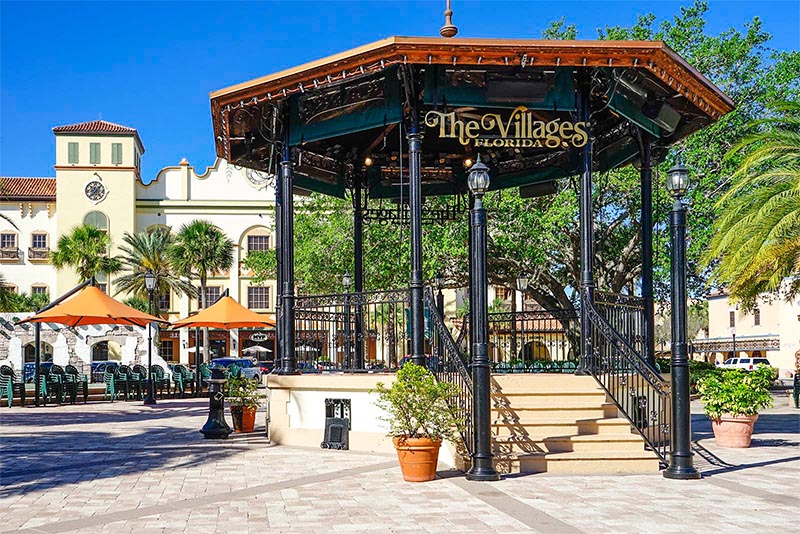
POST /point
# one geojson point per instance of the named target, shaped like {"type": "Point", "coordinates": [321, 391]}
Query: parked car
{"type": "Point", "coordinates": [250, 369]}
{"type": "Point", "coordinates": [30, 369]}
{"type": "Point", "coordinates": [326, 366]}
{"type": "Point", "coordinates": [747, 364]}
{"type": "Point", "coordinates": [99, 368]}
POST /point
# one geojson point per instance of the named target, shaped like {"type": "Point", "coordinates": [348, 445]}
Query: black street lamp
{"type": "Point", "coordinates": [347, 281]}
{"type": "Point", "coordinates": [482, 461]}
{"type": "Point", "coordinates": [522, 286]}
{"type": "Point", "coordinates": [733, 335]}
{"type": "Point", "coordinates": [150, 285]}
{"type": "Point", "coordinates": [680, 462]}
{"type": "Point", "coordinates": [439, 280]}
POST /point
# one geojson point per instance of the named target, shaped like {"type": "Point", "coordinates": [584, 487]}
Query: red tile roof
{"type": "Point", "coordinates": [27, 188]}
{"type": "Point", "coordinates": [98, 127]}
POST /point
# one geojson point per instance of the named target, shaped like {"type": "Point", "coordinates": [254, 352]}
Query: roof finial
{"type": "Point", "coordinates": [448, 30]}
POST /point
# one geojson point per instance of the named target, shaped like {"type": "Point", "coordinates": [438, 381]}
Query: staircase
{"type": "Point", "coordinates": [562, 424]}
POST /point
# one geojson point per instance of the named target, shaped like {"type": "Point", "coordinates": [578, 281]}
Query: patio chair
{"type": "Point", "coordinates": [160, 380]}
{"type": "Point", "coordinates": [109, 379]}
{"type": "Point", "coordinates": [536, 367]}
{"type": "Point", "coordinates": [139, 377]}
{"type": "Point", "coordinates": [81, 381]}
{"type": "Point", "coordinates": [181, 379]}
{"type": "Point", "coordinates": [9, 384]}
{"type": "Point", "coordinates": [503, 367]}
{"type": "Point", "coordinates": [124, 381]}
{"type": "Point", "coordinates": [68, 386]}
{"type": "Point", "coordinates": [569, 366]}
{"type": "Point", "coordinates": [205, 375]}
{"type": "Point", "coordinates": [234, 371]}
{"type": "Point", "coordinates": [50, 385]}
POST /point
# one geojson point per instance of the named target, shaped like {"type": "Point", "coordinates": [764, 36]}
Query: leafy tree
{"type": "Point", "coordinates": [757, 237]}
{"type": "Point", "coordinates": [137, 303]}
{"type": "Point", "coordinates": [85, 249]}
{"type": "Point", "coordinates": [201, 249]}
{"type": "Point", "coordinates": [22, 302]}
{"type": "Point", "coordinates": [149, 250]}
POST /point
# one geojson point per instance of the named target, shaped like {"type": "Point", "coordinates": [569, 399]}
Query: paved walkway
{"type": "Point", "coordinates": [126, 468]}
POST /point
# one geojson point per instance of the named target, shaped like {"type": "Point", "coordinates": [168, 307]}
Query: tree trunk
{"type": "Point", "coordinates": [203, 305]}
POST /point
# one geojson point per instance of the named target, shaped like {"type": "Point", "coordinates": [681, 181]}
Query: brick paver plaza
{"type": "Point", "coordinates": [123, 468]}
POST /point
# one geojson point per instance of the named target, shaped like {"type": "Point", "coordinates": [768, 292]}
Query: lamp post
{"type": "Point", "coordinates": [680, 462]}
{"type": "Point", "coordinates": [482, 464]}
{"type": "Point", "coordinates": [733, 335]}
{"type": "Point", "coordinates": [150, 285]}
{"type": "Point", "coordinates": [347, 281]}
{"type": "Point", "coordinates": [522, 287]}
{"type": "Point", "coordinates": [439, 280]}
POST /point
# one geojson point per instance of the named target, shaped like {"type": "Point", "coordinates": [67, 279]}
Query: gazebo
{"type": "Point", "coordinates": [408, 117]}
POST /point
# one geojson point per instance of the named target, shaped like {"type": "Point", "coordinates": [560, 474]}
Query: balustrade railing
{"type": "Point", "coordinates": [638, 390]}
{"type": "Point", "coordinates": [352, 331]}
{"type": "Point", "coordinates": [450, 364]}
{"type": "Point", "coordinates": [626, 314]}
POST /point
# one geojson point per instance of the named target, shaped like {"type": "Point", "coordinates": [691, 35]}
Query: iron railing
{"type": "Point", "coordinates": [626, 314]}
{"type": "Point", "coordinates": [352, 331]}
{"type": "Point", "coordinates": [638, 390]}
{"type": "Point", "coordinates": [450, 364]}
{"type": "Point", "coordinates": [38, 253]}
{"type": "Point", "coordinates": [10, 253]}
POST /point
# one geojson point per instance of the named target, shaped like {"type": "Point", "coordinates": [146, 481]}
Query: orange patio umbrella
{"type": "Point", "coordinates": [92, 306]}
{"type": "Point", "coordinates": [227, 314]}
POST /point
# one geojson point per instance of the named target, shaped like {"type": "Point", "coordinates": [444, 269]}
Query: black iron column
{"type": "Point", "coordinates": [358, 261]}
{"type": "Point", "coordinates": [288, 360]}
{"type": "Point", "coordinates": [482, 458]}
{"type": "Point", "coordinates": [415, 208]}
{"type": "Point", "coordinates": [586, 228]}
{"type": "Point", "coordinates": [37, 361]}
{"type": "Point", "coordinates": [646, 173]}
{"type": "Point", "coordinates": [680, 461]}
{"type": "Point", "coordinates": [278, 354]}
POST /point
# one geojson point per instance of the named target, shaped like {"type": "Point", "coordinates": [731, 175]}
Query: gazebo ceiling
{"type": "Point", "coordinates": [513, 101]}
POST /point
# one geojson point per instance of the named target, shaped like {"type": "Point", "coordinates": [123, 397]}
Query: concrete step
{"type": "Point", "coordinates": [541, 428]}
{"type": "Point", "coordinates": [548, 400]}
{"type": "Point", "coordinates": [578, 463]}
{"type": "Point", "coordinates": [510, 384]}
{"type": "Point", "coordinates": [598, 410]}
{"type": "Point", "coordinates": [521, 443]}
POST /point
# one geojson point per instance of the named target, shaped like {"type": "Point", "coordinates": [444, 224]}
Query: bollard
{"type": "Point", "coordinates": [216, 427]}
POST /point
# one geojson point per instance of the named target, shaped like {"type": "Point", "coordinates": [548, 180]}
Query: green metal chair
{"type": "Point", "coordinates": [234, 371]}
{"type": "Point", "coordinates": [50, 386]}
{"type": "Point", "coordinates": [205, 375]}
{"type": "Point", "coordinates": [536, 367]}
{"type": "Point", "coordinates": [81, 382]}
{"type": "Point", "coordinates": [503, 367]}
{"type": "Point", "coordinates": [125, 382]}
{"type": "Point", "coordinates": [568, 366]}
{"type": "Point", "coordinates": [182, 378]}
{"type": "Point", "coordinates": [160, 380]}
{"type": "Point", "coordinates": [139, 377]}
{"type": "Point", "coordinates": [68, 386]}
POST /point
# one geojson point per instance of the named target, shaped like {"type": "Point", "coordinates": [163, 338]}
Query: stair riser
{"type": "Point", "coordinates": [547, 401]}
{"type": "Point", "coordinates": [567, 415]}
{"type": "Point", "coordinates": [533, 445]}
{"type": "Point", "coordinates": [501, 429]}
{"type": "Point", "coordinates": [583, 467]}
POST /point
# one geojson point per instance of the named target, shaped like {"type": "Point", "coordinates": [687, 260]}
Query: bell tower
{"type": "Point", "coordinates": [97, 166]}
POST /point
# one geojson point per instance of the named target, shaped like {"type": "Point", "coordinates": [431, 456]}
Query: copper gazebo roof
{"type": "Point", "coordinates": [662, 72]}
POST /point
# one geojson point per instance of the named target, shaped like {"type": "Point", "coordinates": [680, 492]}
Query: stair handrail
{"type": "Point", "coordinates": [644, 399]}
{"type": "Point", "coordinates": [450, 365]}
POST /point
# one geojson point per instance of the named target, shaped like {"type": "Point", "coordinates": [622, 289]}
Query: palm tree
{"type": "Point", "coordinates": [758, 235]}
{"type": "Point", "coordinates": [199, 249]}
{"type": "Point", "coordinates": [7, 297]}
{"type": "Point", "coordinates": [149, 250]}
{"type": "Point", "coordinates": [85, 249]}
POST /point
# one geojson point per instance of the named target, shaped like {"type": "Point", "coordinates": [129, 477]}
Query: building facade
{"type": "Point", "coordinates": [98, 181]}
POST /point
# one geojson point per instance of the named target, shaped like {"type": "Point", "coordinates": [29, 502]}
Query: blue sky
{"type": "Point", "coordinates": [151, 65]}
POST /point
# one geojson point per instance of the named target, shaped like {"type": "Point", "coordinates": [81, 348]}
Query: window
{"type": "Point", "coordinates": [502, 293]}
{"type": "Point", "coordinates": [116, 153]}
{"type": "Point", "coordinates": [39, 290]}
{"type": "Point", "coordinates": [258, 297]}
{"type": "Point", "coordinates": [39, 241]}
{"type": "Point", "coordinates": [102, 281]}
{"type": "Point", "coordinates": [8, 240]}
{"type": "Point", "coordinates": [756, 317]}
{"type": "Point", "coordinates": [96, 219]}
{"type": "Point", "coordinates": [212, 295]}
{"type": "Point", "coordinates": [137, 159]}
{"type": "Point", "coordinates": [94, 153]}
{"type": "Point", "coordinates": [164, 302]}
{"type": "Point", "coordinates": [732, 318]}
{"type": "Point", "coordinates": [257, 242]}
{"type": "Point", "coordinates": [72, 153]}
{"type": "Point", "coordinates": [166, 352]}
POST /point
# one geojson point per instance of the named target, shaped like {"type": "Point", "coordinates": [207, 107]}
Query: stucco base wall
{"type": "Point", "coordinates": [297, 411]}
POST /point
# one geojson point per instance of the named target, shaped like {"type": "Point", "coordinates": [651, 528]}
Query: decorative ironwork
{"type": "Point", "coordinates": [638, 390]}
{"type": "Point", "coordinates": [449, 364]}
{"type": "Point", "coordinates": [327, 104]}
{"type": "Point", "coordinates": [398, 212]}
{"type": "Point", "coordinates": [12, 253]}
{"type": "Point", "coordinates": [38, 253]}
{"type": "Point", "coordinates": [742, 344]}
{"type": "Point", "coordinates": [626, 314]}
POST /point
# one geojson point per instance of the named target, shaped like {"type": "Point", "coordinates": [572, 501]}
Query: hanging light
{"type": "Point", "coordinates": [347, 280]}
{"type": "Point", "coordinates": [368, 161]}
{"type": "Point", "coordinates": [678, 180]}
{"type": "Point", "coordinates": [522, 282]}
{"type": "Point", "coordinates": [468, 163]}
{"type": "Point", "coordinates": [439, 281]}
{"type": "Point", "coordinates": [478, 179]}
{"type": "Point", "coordinates": [149, 280]}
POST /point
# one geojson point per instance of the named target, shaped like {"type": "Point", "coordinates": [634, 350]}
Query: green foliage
{"type": "Point", "coordinates": [21, 302]}
{"type": "Point", "coordinates": [85, 249]}
{"type": "Point", "coordinates": [417, 405]}
{"type": "Point", "coordinates": [199, 249]}
{"type": "Point", "coordinates": [736, 392]}
{"type": "Point", "coordinates": [757, 240]}
{"type": "Point", "coordinates": [242, 391]}
{"type": "Point", "coordinates": [149, 250]}
{"type": "Point", "coordinates": [137, 303]}
{"type": "Point", "coordinates": [263, 263]}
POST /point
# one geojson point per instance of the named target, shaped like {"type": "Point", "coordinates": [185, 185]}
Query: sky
{"type": "Point", "coordinates": [152, 65]}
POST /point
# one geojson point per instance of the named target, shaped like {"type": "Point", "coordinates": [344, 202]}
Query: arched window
{"type": "Point", "coordinates": [104, 351]}
{"type": "Point", "coordinates": [46, 354]}
{"type": "Point", "coordinates": [97, 219]}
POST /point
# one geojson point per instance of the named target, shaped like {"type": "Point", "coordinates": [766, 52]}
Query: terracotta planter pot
{"type": "Point", "coordinates": [244, 419]}
{"type": "Point", "coordinates": [418, 457]}
{"type": "Point", "coordinates": [734, 432]}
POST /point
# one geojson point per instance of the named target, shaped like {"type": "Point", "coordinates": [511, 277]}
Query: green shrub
{"type": "Point", "coordinates": [241, 391]}
{"type": "Point", "coordinates": [735, 392]}
{"type": "Point", "coordinates": [417, 406]}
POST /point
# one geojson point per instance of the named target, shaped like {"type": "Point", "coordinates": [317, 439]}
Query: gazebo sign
{"type": "Point", "coordinates": [519, 130]}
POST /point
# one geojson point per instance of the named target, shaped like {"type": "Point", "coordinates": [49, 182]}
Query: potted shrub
{"type": "Point", "coordinates": [732, 399]}
{"type": "Point", "coordinates": [419, 419]}
{"type": "Point", "coordinates": [242, 396]}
